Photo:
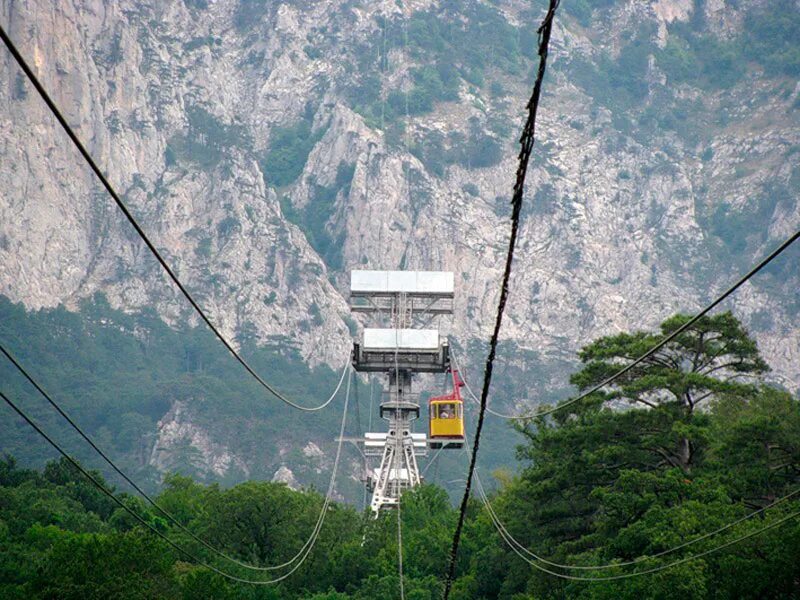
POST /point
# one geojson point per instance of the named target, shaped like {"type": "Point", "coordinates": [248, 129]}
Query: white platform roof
{"type": "Point", "coordinates": [378, 440]}
{"type": "Point", "coordinates": [401, 339]}
{"type": "Point", "coordinates": [429, 283]}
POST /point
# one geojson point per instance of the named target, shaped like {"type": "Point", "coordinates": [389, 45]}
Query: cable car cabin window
{"type": "Point", "coordinates": [447, 411]}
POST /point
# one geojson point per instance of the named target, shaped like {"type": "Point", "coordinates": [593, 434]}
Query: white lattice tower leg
{"type": "Point", "coordinates": [382, 483]}
{"type": "Point", "coordinates": [412, 469]}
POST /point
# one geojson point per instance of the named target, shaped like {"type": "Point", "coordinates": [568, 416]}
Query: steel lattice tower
{"type": "Point", "coordinates": [401, 300]}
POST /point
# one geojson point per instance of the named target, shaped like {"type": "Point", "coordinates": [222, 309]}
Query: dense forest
{"type": "Point", "coordinates": [687, 442]}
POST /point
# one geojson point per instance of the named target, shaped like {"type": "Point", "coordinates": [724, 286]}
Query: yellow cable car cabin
{"type": "Point", "coordinates": [446, 415]}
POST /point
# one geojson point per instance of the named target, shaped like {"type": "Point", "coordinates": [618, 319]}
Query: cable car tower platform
{"type": "Point", "coordinates": [401, 300]}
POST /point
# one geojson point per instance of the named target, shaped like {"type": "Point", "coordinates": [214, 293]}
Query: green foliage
{"type": "Point", "coordinates": [627, 74]}
{"type": "Point", "coordinates": [288, 151]}
{"type": "Point", "coordinates": [743, 230]}
{"type": "Point", "coordinates": [206, 140]}
{"type": "Point", "coordinates": [583, 10]}
{"type": "Point", "coordinates": [471, 189]}
{"type": "Point", "coordinates": [699, 364]}
{"type": "Point", "coordinates": [769, 38]}
{"type": "Point", "coordinates": [259, 522]}
{"type": "Point", "coordinates": [249, 13]}
{"type": "Point", "coordinates": [454, 43]}
{"type": "Point", "coordinates": [475, 150]}
{"type": "Point", "coordinates": [20, 90]}
{"type": "Point", "coordinates": [314, 217]}
{"type": "Point", "coordinates": [771, 34]}
{"type": "Point", "coordinates": [695, 54]}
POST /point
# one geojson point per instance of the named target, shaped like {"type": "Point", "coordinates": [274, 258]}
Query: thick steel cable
{"type": "Point", "coordinates": [384, 67]}
{"type": "Point", "coordinates": [526, 143]}
{"type": "Point", "coordinates": [741, 281]}
{"type": "Point", "coordinates": [401, 308]}
{"type": "Point", "coordinates": [649, 571]}
{"type": "Point", "coordinates": [169, 516]}
{"type": "Point", "coordinates": [134, 223]}
{"type": "Point", "coordinates": [150, 527]}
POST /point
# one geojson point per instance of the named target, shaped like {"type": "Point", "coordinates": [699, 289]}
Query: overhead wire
{"type": "Point", "coordinates": [168, 515]}
{"type": "Point", "coordinates": [407, 133]}
{"type": "Point", "coordinates": [534, 559]}
{"type": "Point", "coordinates": [535, 563]}
{"type": "Point", "coordinates": [369, 428]}
{"type": "Point", "coordinates": [544, 33]}
{"type": "Point", "coordinates": [431, 461]}
{"type": "Point", "coordinates": [138, 228]}
{"type": "Point", "coordinates": [637, 560]}
{"type": "Point", "coordinates": [357, 402]}
{"type": "Point", "coordinates": [384, 64]}
{"type": "Point", "coordinates": [401, 324]}
{"type": "Point", "coordinates": [192, 557]}
{"type": "Point", "coordinates": [665, 340]}
{"type": "Point", "coordinates": [526, 147]}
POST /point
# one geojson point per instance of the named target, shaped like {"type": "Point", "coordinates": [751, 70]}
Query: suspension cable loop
{"type": "Point", "coordinates": [535, 564]}
{"type": "Point", "coordinates": [140, 519]}
{"type": "Point", "coordinates": [138, 228]}
{"type": "Point", "coordinates": [534, 560]}
{"type": "Point", "coordinates": [534, 556]}
{"type": "Point", "coordinates": [499, 524]}
{"type": "Point", "coordinates": [169, 516]}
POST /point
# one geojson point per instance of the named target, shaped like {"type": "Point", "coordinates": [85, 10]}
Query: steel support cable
{"type": "Point", "coordinates": [635, 561]}
{"type": "Point", "coordinates": [169, 516]}
{"type": "Point", "coordinates": [526, 146]}
{"type": "Point", "coordinates": [536, 565]}
{"type": "Point", "coordinates": [406, 84]}
{"type": "Point", "coordinates": [534, 560]}
{"type": "Point", "coordinates": [309, 545]}
{"type": "Point", "coordinates": [134, 223]}
{"type": "Point", "coordinates": [369, 428]}
{"type": "Point", "coordinates": [138, 517]}
{"type": "Point", "coordinates": [664, 341]}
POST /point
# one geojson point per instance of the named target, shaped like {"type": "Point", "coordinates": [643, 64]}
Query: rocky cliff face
{"type": "Point", "coordinates": [266, 150]}
{"type": "Point", "coordinates": [182, 445]}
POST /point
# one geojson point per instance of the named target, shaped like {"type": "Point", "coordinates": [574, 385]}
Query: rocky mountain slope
{"type": "Point", "coordinates": [267, 150]}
